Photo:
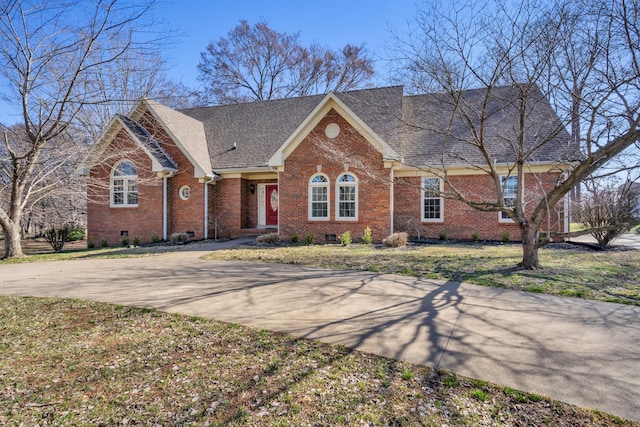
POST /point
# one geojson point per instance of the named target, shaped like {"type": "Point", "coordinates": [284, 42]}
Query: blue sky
{"type": "Point", "coordinates": [332, 23]}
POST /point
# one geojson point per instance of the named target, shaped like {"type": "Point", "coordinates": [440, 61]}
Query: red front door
{"type": "Point", "coordinates": [272, 204]}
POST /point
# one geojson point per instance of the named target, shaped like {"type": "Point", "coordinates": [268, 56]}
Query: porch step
{"type": "Point", "coordinates": [255, 232]}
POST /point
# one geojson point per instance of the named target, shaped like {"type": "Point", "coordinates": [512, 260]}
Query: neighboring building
{"type": "Point", "coordinates": [317, 165]}
{"type": "Point", "coordinates": [632, 189]}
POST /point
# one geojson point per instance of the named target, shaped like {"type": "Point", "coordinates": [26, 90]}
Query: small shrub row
{"type": "Point", "coordinates": [396, 240]}
{"type": "Point", "coordinates": [309, 239]}
{"type": "Point", "coordinates": [126, 241]}
{"type": "Point", "coordinates": [268, 239]}
{"type": "Point", "coordinates": [345, 238]}
{"type": "Point", "coordinates": [179, 238]}
{"type": "Point", "coordinates": [367, 239]}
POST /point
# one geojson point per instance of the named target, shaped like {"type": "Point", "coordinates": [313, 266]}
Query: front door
{"type": "Point", "coordinates": [271, 204]}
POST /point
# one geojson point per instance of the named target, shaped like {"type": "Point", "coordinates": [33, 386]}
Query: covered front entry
{"type": "Point", "coordinates": [268, 205]}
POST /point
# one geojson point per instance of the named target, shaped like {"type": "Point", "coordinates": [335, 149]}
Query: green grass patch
{"type": "Point", "coordinates": [479, 395]}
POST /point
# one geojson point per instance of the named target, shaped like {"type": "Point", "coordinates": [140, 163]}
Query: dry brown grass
{"type": "Point", "coordinates": [69, 363]}
{"type": "Point", "coordinates": [612, 276]}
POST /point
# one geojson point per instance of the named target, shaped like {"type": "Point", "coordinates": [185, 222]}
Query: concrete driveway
{"type": "Point", "coordinates": [581, 352]}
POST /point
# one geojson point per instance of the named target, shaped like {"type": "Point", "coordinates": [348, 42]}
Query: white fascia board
{"type": "Point", "coordinates": [533, 167]}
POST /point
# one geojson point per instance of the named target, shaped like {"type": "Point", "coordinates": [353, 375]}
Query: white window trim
{"type": "Point", "coordinates": [310, 187]}
{"type": "Point", "coordinates": [501, 218]}
{"type": "Point", "coordinates": [422, 200]}
{"type": "Point", "coordinates": [357, 207]}
{"type": "Point", "coordinates": [126, 180]}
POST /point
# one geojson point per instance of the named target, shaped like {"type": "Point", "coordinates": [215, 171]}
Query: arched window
{"type": "Point", "coordinates": [347, 197]}
{"type": "Point", "coordinates": [319, 197]}
{"type": "Point", "coordinates": [124, 185]}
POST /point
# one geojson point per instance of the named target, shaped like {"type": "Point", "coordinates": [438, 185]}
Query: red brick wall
{"type": "Point", "coordinates": [225, 206]}
{"type": "Point", "coordinates": [363, 160]}
{"type": "Point", "coordinates": [184, 215]}
{"type": "Point", "coordinates": [461, 220]}
{"type": "Point", "coordinates": [234, 207]}
{"type": "Point", "coordinates": [105, 222]}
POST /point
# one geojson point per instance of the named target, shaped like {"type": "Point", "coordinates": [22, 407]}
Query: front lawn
{"type": "Point", "coordinates": [70, 363]}
{"type": "Point", "coordinates": [37, 249]}
{"type": "Point", "coordinates": [612, 276]}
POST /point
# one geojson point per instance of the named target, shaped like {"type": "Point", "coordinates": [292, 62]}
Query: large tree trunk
{"type": "Point", "coordinates": [12, 242]}
{"type": "Point", "coordinates": [530, 260]}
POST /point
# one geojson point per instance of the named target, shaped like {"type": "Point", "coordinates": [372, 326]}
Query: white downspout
{"type": "Point", "coordinates": [165, 197]}
{"type": "Point", "coordinates": [206, 207]}
{"type": "Point", "coordinates": [391, 196]}
{"type": "Point", "coordinates": [567, 212]}
{"type": "Point", "coordinates": [279, 204]}
{"type": "Point", "coordinates": [206, 211]}
{"type": "Point", "coordinates": [164, 207]}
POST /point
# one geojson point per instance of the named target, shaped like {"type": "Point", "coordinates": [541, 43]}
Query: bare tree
{"type": "Point", "coordinates": [55, 193]}
{"type": "Point", "coordinates": [255, 62]}
{"type": "Point", "coordinates": [583, 56]}
{"type": "Point", "coordinates": [58, 56]}
{"type": "Point", "coordinates": [608, 210]}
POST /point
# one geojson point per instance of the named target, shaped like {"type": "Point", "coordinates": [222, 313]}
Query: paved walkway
{"type": "Point", "coordinates": [582, 352]}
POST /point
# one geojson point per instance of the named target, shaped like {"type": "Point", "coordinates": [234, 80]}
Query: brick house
{"type": "Point", "coordinates": [316, 165]}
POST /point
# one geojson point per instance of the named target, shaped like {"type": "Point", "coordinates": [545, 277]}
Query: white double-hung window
{"type": "Point", "coordinates": [347, 197]}
{"type": "Point", "coordinates": [124, 185]}
{"type": "Point", "coordinates": [432, 202]}
{"type": "Point", "coordinates": [319, 197]}
{"type": "Point", "coordinates": [510, 190]}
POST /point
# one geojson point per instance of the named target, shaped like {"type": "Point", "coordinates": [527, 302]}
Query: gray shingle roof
{"type": "Point", "coordinates": [259, 128]}
{"type": "Point", "coordinates": [438, 131]}
{"type": "Point", "coordinates": [151, 145]}
{"type": "Point", "coordinates": [417, 127]}
{"type": "Point", "coordinates": [189, 133]}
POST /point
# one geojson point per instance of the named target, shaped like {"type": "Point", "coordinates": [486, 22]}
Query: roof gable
{"type": "Point", "coordinates": [255, 129]}
{"type": "Point", "coordinates": [419, 130]}
{"type": "Point", "coordinates": [186, 132]}
{"type": "Point", "coordinates": [160, 160]}
{"type": "Point", "coordinates": [329, 102]}
{"type": "Point", "coordinates": [258, 129]}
